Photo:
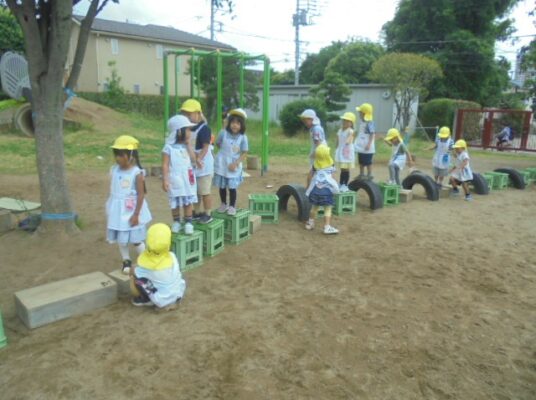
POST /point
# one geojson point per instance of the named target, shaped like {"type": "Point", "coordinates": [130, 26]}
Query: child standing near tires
{"type": "Point", "coordinates": [441, 160]}
{"type": "Point", "coordinates": [399, 155]}
{"type": "Point", "coordinates": [461, 173]}
{"type": "Point", "coordinates": [178, 176]}
{"type": "Point", "coordinates": [233, 145]}
{"type": "Point", "coordinates": [322, 188]}
{"type": "Point", "coordinates": [318, 136]}
{"type": "Point", "coordinates": [364, 143]}
{"type": "Point", "coordinates": [126, 209]}
{"type": "Point", "coordinates": [344, 155]}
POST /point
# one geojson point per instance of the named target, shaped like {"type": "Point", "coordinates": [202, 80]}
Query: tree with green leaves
{"type": "Point", "coordinates": [46, 26]}
{"type": "Point", "coordinates": [461, 35]}
{"type": "Point", "coordinates": [410, 75]}
{"type": "Point", "coordinates": [282, 78]}
{"type": "Point", "coordinates": [313, 67]}
{"type": "Point", "coordinates": [355, 60]}
{"type": "Point", "coordinates": [333, 92]}
{"type": "Point", "coordinates": [528, 66]}
{"type": "Point", "coordinates": [11, 38]}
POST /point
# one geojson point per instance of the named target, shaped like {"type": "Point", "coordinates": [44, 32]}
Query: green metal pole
{"type": "Point", "coordinates": [177, 68]}
{"type": "Point", "coordinates": [192, 68]}
{"type": "Point", "coordinates": [166, 93]}
{"type": "Point", "coordinates": [241, 80]}
{"type": "Point", "coordinates": [219, 101]}
{"type": "Point", "coordinates": [3, 339]}
{"type": "Point", "coordinates": [265, 115]}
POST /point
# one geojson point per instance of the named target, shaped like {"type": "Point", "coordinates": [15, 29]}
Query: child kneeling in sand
{"type": "Point", "coordinates": [157, 279]}
{"type": "Point", "coordinates": [322, 188]}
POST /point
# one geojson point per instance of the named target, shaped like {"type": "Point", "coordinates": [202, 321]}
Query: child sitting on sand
{"type": "Point", "coordinates": [157, 279]}
{"type": "Point", "coordinates": [322, 188]}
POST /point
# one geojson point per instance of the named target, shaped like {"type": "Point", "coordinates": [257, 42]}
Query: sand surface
{"type": "Point", "coordinates": [426, 300]}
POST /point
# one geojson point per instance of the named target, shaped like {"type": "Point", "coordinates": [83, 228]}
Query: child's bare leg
{"type": "Point", "coordinates": [309, 177]}
{"type": "Point", "coordinates": [188, 212]}
{"type": "Point", "coordinates": [207, 204]}
{"type": "Point", "coordinates": [453, 183]}
{"type": "Point", "coordinates": [176, 214]}
{"type": "Point", "coordinates": [465, 187]}
{"type": "Point", "coordinates": [310, 224]}
{"type": "Point", "coordinates": [327, 215]}
{"type": "Point", "coordinates": [361, 170]}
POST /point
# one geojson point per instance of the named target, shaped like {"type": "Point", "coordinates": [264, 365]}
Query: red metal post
{"type": "Point", "coordinates": [488, 130]}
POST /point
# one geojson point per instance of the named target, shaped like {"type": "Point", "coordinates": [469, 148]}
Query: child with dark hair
{"type": "Point", "coordinates": [126, 209]}
{"type": "Point", "coordinates": [179, 180]}
{"type": "Point", "coordinates": [233, 149]}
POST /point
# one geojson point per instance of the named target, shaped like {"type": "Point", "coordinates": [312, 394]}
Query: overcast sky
{"type": "Point", "coordinates": [265, 26]}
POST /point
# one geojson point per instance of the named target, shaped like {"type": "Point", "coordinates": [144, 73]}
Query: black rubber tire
{"type": "Point", "coordinates": [480, 185]}
{"type": "Point", "coordinates": [418, 178]}
{"type": "Point", "coordinates": [298, 193]}
{"type": "Point", "coordinates": [373, 191]}
{"type": "Point", "coordinates": [517, 179]}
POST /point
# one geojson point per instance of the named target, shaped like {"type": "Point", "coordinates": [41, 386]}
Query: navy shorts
{"type": "Point", "coordinates": [321, 197]}
{"type": "Point", "coordinates": [364, 158]}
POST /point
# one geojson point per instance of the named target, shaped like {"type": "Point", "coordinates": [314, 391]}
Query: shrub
{"type": "Point", "coordinates": [441, 112]}
{"type": "Point", "coordinates": [289, 115]}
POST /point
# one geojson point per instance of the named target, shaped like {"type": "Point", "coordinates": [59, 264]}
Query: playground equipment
{"type": "Point", "coordinates": [371, 188]}
{"type": "Point", "coordinates": [419, 178]}
{"type": "Point", "coordinates": [515, 177]}
{"type": "Point", "coordinates": [14, 76]}
{"type": "Point", "coordinates": [195, 56]}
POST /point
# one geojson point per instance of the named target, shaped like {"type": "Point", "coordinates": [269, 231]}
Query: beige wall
{"type": "Point", "coordinates": [136, 63]}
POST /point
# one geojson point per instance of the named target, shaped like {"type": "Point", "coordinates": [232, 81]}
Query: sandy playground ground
{"type": "Point", "coordinates": [426, 300]}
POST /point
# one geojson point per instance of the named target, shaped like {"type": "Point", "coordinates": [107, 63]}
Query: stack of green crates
{"type": "Point", "coordinates": [236, 227]}
{"type": "Point", "coordinates": [500, 180]}
{"type": "Point", "coordinates": [213, 236]}
{"type": "Point", "coordinates": [266, 206]}
{"type": "Point", "coordinates": [188, 249]}
{"type": "Point", "coordinates": [391, 193]}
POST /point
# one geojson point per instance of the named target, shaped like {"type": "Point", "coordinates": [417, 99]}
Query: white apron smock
{"type": "Point", "coordinates": [462, 174]}
{"type": "Point", "coordinates": [441, 159]}
{"type": "Point", "coordinates": [398, 156]}
{"type": "Point", "coordinates": [182, 180]}
{"type": "Point", "coordinates": [321, 179]}
{"type": "Point", "coordinates": [123, 199]}
{"type": "Point", "coordinates": [229, 153]}
{"type": "Point", "coordinates": [208, 160]}
{"type": "Point", "coordinates": [363, 137]}
{"type": "Point", "coordinates": [344, 153]}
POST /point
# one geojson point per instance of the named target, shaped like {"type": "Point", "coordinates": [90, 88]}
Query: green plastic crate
{"type": "Point", "coordinates": [532, 172]}
{"type": "Point", "coordinates": [391, 194]}
{"type": "Point", "coordinates": [265, 205]}
{"type": "Point", "coordinates": [188, 249]}
{"type": "Point", "coordinates": [500, 180]}
{"type": "Point", "coordinates": [526, 176]}
{"type": "Point", "coordinates": [236, 227]}
{"type": "Point", "coordinates": [213, 237]}
{"type": "Point", "coordinates": [345, 203]}
{"type": "Point", "coordinates": [489, 180]}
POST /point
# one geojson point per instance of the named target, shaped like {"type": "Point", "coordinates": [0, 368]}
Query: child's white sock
{"type": "Point", "coordinates": [140, 248]}
{"type": "Point", "coordinates": [123, 249]}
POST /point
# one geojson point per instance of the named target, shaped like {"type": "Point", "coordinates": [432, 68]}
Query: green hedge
{"type": "Point", "coordinates": [441, 112]}
{"type": "Point", "coordinates": [291, 123]}
{"type": "Point", "coordinates": [149, 105]}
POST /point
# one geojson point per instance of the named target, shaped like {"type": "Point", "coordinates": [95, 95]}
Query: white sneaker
{"type": "Point", "coordinates": [176, 227]}
{"type": "Point", "coordinates": [231, 211]}
{"type": "Point", "coordinates": [222, 208]}
{"type": "Point", "coordinates": [188, 228]}
{"type": "Point", "coordinates": [310, 225]}
{"type": "Point", "coordinates": [329, 230]}
{"type": "Point", "coordinates": [343, 189]}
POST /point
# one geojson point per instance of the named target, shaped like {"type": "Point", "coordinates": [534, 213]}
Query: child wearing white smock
{"type": "Point", "coordinates": [461, 173]}
{"type": "Point", "coordinates": [399, 155]}
{"type": "Point", "coordinates": [157, 279]}
{"type": "Point", "coordinates": [126, 209]}
{"type": "Point", "coordinates": [441, 159]}
{"type": "Point", "coordinates": [344, 154]}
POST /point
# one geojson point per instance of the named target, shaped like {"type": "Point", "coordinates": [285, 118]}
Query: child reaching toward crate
{"type": "Point", "coordinates": [399, 155]}
{"type": "Point", "coordinates": [178, 177]}
{"type": "Point", "coordinates": [344, 155]}
{"type": "Point", "coordinates": [157, 279]}
{"type": "Point", "coordinates": [461, 173]}
{"type": "Point", "coordinates": [233, 149]}
{"type": "Point", "coordinates": [322, 188]}
{"type": "Point", "coordinates": [126, 209]}
{"type": "Point", "coordinates": [441, 160]}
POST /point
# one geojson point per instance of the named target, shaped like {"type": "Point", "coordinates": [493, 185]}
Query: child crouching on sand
{"type": "Point", "coordinates": [157, 279]}
{"type": "Point", "coordinates": [322, 188]}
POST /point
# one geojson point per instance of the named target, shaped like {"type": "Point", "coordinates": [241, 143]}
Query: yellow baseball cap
{"type": "Point", "coordinates": [349, 116]}
{"type": "Point", "coordinates": [444, 132]}
{"type": "Point", "coordinates": [191, 105]}
{"type": "Point", "coordinates": [367, 111]}
{"type": "Point", "coordinates": [125, 142]}
{"type": "Point", "coordinates": [393, 133]}
{"type": "Point", "coordinates": [322, 157]}
{"type": "Point", "coordinates": [157, 256]}
{"type": "Point", "coordinates": [460, 144]}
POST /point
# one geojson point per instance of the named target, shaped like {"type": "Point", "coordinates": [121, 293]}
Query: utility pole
{"type": "Point", "coordinates": [212, 10]}
{"type": "Point", "coordinates": [302, 17]}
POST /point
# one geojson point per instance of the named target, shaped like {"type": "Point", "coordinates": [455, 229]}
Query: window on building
{"type": "Point", "coordinates": [159, 51]}
{"type": "Point", "coordinates": [115, 46]}
{"type": "Point", "coordinates": [137, 88]}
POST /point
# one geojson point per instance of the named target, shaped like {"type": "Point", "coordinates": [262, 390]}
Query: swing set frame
{"type": "Point", "coordinates": [195, 58]}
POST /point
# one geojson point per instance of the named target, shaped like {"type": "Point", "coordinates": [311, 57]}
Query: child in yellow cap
{"type": "Point", "coordinates": [461, 173]}
{"type": "Point", "coordinates": [345, 155]}
{"type": "Point", "coordinates": [441, 160]}
{"type": "Point", "coordinates": [399, 155]}
{"type": "Point", "coordinates": [322, 188]}
{"type": "Point", "coordinates": [364, 143]}
{"type": "Point", "coordinates": [157, 279]}
{"type": "Point", "coordinates": [126, 209]}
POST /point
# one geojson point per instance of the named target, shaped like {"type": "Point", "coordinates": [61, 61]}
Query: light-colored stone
{"type": "Point", "coordinates": [444, 192]}
{"type": "Point", "coordinates": [55, 301]}
{"type": "Point", "coordinates": [156, 171]}
{"type": "Point", "coordinates": [253, 163]}
{"type": "Point", "coordinates": [122, 280]}
{"type": "Point", "coordinates": [405, 195]}
{"type": "Point", "coordinates": [255, 222]}
{"type": "Point", "coordinates": [6, 221]}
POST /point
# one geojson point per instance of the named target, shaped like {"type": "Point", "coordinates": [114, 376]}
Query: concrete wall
{"type": "Point", "coordinates": [380, 96]}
